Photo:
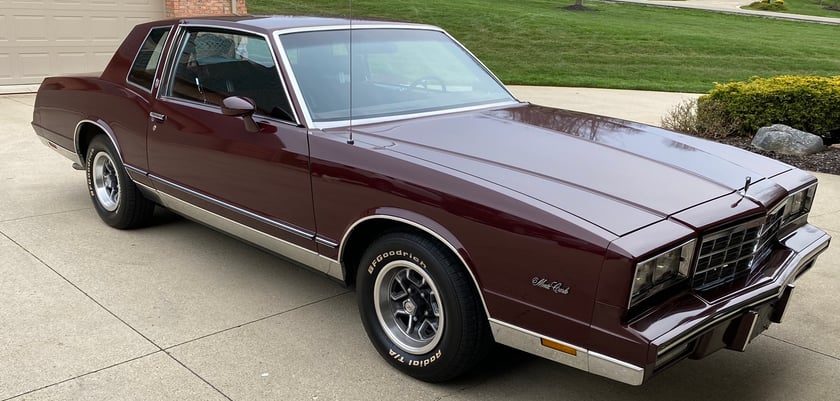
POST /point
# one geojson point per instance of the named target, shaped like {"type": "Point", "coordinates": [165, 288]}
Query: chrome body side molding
{"type": "Point", "coordinates": [134, 171]}
{"type": "Point", "coordinates": [73, 156]}
{"type": "Point", "coordinates": [589, 361]}
{"type": "Point", "coordinates": [326, 242]}
{"type": "Point", "coordinates": [249, 214]}
{"type": "Point", "coordinates": [294, 252]}
{"type": "Point", "coordinates": [102, 127]}
{"type": "Point", "coordinates": [529, 341]}
{"type": "Point", "coordinates": [615, 369]}
{"type": "Point", "coordinates": [149, 192]}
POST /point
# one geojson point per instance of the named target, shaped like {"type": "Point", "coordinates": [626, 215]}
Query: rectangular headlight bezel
{"type": "Point", "coordinates": [799, 204]}
{"type": "Point", "coordinates": [681, 273]}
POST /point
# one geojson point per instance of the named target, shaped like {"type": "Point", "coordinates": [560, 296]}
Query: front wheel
{"type": "Point", "coordinates": [115, 197]}
{"type": "Point", "coordinates": [420, 308]}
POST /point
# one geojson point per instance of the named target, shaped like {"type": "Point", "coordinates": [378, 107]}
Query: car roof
{"type": "Point", "coordinates": [270, 23]}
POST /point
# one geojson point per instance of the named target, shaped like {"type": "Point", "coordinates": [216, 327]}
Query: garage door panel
{"type": "Point", "coordinates": [53, 37]}
{"type": "Point", "coordinates": [5, 67]}
{"type": "Point", "coordinates": [29, 28]}
{"type": "Point", "coordinates": [107, 29]}
{"type": "Point", "coordinates": [68, 29]}
{"type": "Point", "coordinates": [4, 29]}
{"type": "Point", "coordinates": [34, 65]}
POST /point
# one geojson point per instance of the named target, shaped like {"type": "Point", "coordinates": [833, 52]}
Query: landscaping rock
{"type": "Point", "coordinates": [786, 140]}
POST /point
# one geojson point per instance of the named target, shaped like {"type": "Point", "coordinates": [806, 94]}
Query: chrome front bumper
{"type": "Point", "coordinates": [734, 321]}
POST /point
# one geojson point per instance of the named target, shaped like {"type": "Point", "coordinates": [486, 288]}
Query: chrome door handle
{"type": "Point", "coordinates": [157, 117]}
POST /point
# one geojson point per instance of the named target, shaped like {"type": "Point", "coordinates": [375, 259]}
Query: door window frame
{"type": "Point", "coordinates": [176, 48]}
{"type": "Point", "coordinates": [162, 58]}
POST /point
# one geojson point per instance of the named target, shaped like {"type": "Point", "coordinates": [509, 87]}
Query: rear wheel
{"type": "Point", "coordinates": [420, 308]}
{"type": "Point", "coordinates": [116, 199]}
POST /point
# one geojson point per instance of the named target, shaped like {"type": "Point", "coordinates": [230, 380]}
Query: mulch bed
{"type": "Point", "coordinates": [827, 161]}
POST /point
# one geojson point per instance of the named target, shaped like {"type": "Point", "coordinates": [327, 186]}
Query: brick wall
{"type": "Point", "coordinates": [189, 8]}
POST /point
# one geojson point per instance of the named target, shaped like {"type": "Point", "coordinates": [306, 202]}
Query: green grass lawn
{"type": "Point", "coordinates": [536, 42]}
{"type": "Point", "coordinates": [811, 7]}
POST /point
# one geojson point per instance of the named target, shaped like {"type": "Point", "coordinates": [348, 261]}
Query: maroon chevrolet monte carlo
{"type": "Point", "coordinates": [387, 157]}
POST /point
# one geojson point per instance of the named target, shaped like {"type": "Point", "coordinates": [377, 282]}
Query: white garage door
{"type": "Point", "coordinates": [39, 38]}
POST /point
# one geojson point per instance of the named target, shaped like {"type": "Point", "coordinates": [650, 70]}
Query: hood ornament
{"type": "Point", "coordinates": [747, 183]}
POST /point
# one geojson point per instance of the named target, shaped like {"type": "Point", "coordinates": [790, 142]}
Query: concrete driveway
{"type": "Point", "coordinates": [177, 311]}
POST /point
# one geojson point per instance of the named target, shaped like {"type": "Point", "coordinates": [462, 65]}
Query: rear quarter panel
{"type": "Point", "coordinates": [63, 103]}
{"type": "Point", "coordinates": [104, 100]}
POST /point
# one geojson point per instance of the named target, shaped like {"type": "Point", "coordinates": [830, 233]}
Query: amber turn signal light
{"type": "Point", "coordinates": [557, 346]}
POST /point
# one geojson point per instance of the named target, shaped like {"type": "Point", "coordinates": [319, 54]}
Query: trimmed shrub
{"type": "Point", "coordinates": [765, 5]}
{"type": "Point", "coordinates": [808, 103]}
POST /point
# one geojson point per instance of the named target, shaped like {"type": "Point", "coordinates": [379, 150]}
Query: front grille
{"type": "Point", "coordinates": [729, 254]}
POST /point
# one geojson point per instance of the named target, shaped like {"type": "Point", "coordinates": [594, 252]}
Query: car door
{"type": "Point", "coordinates": [259, 178]}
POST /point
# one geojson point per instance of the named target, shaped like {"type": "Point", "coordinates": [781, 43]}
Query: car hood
{"type": "Point", "coordinates": [616, 174]}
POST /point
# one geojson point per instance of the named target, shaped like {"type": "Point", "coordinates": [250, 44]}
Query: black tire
{"type": "Point", "coordinates": [116, 199]}
{"type": "Point", "coordinates": [420, 308]}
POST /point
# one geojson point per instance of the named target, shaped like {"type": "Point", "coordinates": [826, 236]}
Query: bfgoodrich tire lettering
{"type": "Point", "coordinates": [420, 308]}
{"type": "Point", "coordinates": [115, 197]}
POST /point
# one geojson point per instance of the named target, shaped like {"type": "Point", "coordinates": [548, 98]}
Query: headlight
{"type": "Point", "coordinates": [799, 203]}
{"type": "Point", "coordinates": [662, 271]}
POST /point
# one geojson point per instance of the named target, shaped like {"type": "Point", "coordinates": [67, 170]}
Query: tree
{"type": "Point", "coordinates": [578, 6]}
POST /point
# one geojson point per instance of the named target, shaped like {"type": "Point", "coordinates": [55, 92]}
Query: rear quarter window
{"type": "Point", "coordinates": [146, 62]}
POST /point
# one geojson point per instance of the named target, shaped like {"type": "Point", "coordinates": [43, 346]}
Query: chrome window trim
{"type": "Point", "coordinates": [163, 55]}
{"type": "Point", "coordinates": [178, 43]}
{"type": "Point", "coordinates": [427, 230]}
{"type": "Point", "coordinates": [481, 63]}
{"type": "Point", "coordinates": [351, 27]}
{"type": "Point", "coordinates": [274, 223]}
{"type": "Point", "coordinates": [212, 108]}
{"type": "Point", "coordinates": [374, 120]}
{"type": "Point", "coordinates": [132, 84]}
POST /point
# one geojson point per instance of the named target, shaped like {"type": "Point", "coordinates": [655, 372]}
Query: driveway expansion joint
{"type": "Point", "coordinates": [82, 375]}
{"type": "Point", "coordinates": [21, 218]}
{"type": "Point", "coordinates": [167, 349]}
{"type": "Point", "coordinates": [837, 358]}
{"type": "Point", "coordinates": [94, 300]}
{"type": "Point", "coordinates": [194, 373]}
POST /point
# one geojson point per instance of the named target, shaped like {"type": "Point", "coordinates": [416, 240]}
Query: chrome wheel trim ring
{"type": "Point", "coordinates": [408, 307]}
{"type": "Point", "coordinates": [106, 181]}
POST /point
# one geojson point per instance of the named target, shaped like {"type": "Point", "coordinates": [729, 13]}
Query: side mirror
{"type": "Point", "coordinates": [237, 106]}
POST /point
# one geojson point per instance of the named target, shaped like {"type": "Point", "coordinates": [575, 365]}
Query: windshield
{"type": "Point", "coordinates": [386, 72]}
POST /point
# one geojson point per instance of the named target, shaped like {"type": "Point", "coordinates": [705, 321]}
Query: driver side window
{"type": "Point", "coordinates": [213, 64]}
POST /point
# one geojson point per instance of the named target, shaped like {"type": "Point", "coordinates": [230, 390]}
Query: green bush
{"type": "Point", "coordinates": [713, 123]}
{"type": "Point", "coordinates": [807, 103]}
{"type": "Point", "coordinates": [767, 6]}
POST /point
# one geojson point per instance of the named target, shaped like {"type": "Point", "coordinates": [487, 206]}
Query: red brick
{"type": "Point", "coordinates": [189, 8]}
